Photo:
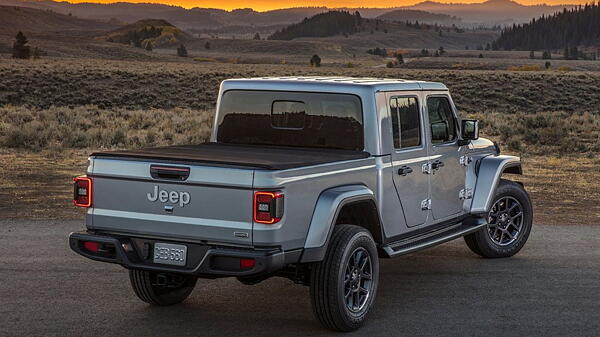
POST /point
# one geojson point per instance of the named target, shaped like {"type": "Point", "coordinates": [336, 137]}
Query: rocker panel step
{"type": "Point", "coordinates": [430, 239]}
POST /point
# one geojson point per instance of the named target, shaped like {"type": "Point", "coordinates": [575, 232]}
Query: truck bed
{"type": "Point", "coordinates": [264, 157]}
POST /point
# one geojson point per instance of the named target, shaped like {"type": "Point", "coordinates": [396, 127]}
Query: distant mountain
{"type": "Point", "coordinates": [413, 15]}
{"type": "Point", "coordinates": [567, 29]}
{"type": "Point", "coordinates": [157, 32]}
{"type": "Point", "coordinates": [491, 11]}
{"type": "Point", "coordinates": [14, 19]}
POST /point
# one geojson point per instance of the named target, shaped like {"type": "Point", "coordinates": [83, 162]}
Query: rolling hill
{"type": "Point", "coordinates": [14, 19]}
{"type": "Point", "coordinates": [158, 32]}
{"type": "Point", "coordinates": [413, 15]}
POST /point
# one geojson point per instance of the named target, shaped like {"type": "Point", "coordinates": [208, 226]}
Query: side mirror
{"type": "Point", "coordinates": [469, 130]}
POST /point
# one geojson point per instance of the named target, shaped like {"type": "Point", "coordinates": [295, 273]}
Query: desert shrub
{"type": "Point", "coordinates": [543, 132]}
{"type": "Point", "coordinates": [92, 127]}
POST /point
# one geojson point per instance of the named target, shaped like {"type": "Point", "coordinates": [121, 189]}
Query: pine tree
{"type": "Point", "coordinates": [256, 36]}
{"type": "Point", "coordinates": [20, 48]}
{"type": "Point", "coordinates": [315, 61]}
{"type": "Point", "coordinates": [182, 51]}
{"type": "Point", "coordinates": [207, 45]}
{"type": "Point", "coordinates": [399, 58]}
{"type": "Point", "coordinates": [575, 27]}
{"type": "Point", "coordinates": [546, 55]}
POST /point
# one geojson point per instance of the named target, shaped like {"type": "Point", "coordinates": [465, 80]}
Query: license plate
{"type": "Point", "coordinates": [167, 253]}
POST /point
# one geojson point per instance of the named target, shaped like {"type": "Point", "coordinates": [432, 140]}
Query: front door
{"type": "Point", "coordinates": [408, 158]}
{"type": "Point", "coordinates": [447, 173]}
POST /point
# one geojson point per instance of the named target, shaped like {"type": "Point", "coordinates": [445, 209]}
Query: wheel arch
{"type": "Point", "coordinates": [353, 203]}
{"type": "Point", "coordinates": [490, 169]}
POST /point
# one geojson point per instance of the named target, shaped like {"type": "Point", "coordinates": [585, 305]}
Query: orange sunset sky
{"type": "Point", "coordinates": [262, 5]}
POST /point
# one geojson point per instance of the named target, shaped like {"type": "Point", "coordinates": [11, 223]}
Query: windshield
{"type": "Point", "coordinates": [285, 118]}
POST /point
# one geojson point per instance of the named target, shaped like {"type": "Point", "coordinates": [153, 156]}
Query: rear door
{"type": "Point", "coordinates": [448, 175]}
{"type": "Point", "coordinates": [213, 204]}
{"type": "Point", "coordinates": [409, 156]}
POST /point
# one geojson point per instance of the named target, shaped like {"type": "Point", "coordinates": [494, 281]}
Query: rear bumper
{"type": "Point", "coordinates": [202, 260]}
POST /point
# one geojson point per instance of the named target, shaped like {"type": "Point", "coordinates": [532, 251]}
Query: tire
{"type": "Point", "coordinates": [507, 231]}
{"type": "Point", "coordinates": [161, 288]}
{"type": "Point", "coordinates": [349, 247]}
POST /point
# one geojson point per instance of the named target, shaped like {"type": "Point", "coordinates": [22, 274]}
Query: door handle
{"type": "Point", "coordinates": [404, 170]}
{"type": "Point", "coordinates": [437, 164]}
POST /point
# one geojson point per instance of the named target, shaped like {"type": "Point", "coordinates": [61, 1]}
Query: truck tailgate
{"type": "Point", "coordinates": [214, 204]}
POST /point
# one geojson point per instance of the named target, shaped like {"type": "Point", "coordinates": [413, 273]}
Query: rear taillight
{"type": "Point", "coordinates": [268, 207]}
{"type": "Point", "coordinates": [82, 192]}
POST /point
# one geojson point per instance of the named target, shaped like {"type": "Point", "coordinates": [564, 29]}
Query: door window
{"type": "Point", "coordinates": [406, 124]}
{"type": "Point", "coordinates": [441, 120]}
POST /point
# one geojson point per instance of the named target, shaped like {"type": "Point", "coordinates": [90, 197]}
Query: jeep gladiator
{"type": "Point", "coordinates": [312, 179]}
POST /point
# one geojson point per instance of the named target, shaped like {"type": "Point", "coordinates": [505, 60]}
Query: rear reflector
{"type": "Point", "coordinates": [91, 246]}
{"type": "Point", "coordinates": [247, 263]}
{"type": "Point", "coordinates": [268, 207]}
{"type": "Point", "coordinates": [82, 191]}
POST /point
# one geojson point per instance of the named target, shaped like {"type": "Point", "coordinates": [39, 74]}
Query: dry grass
{"type": "Point", "coordinates": [53, 112]}
{"type": "Point", "coordinates": [59, 128]}
{"type": "Point", "coordinates": [565, 190]}
{"type": "Point", "coordinates": [194, 85]}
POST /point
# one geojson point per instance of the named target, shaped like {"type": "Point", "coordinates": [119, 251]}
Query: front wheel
{"type": "Point", "coordinates": [344, 284]}
{"type": "Point", "coordinates": [509, 223]}
{"type": "Point", "coordinates": [161, 288]}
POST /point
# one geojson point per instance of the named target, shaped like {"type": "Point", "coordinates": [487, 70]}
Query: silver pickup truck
{"type": "Point", "coordinates": [312, 179]}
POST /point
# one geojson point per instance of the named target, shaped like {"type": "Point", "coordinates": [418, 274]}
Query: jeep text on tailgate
{"type": "Point", "coordinates": [312, 179]}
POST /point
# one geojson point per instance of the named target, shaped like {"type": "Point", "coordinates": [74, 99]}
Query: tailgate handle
{"type": "Point", "coordinates": [169, 172]}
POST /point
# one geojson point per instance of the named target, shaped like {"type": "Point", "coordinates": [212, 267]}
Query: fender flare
{"type": "Point", "coordinates": [327, 208]}
{"type": "Point", "coordinates": [489, 171]}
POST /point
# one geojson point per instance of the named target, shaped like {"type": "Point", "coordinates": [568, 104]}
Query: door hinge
{"type": "Point", "coordinates": [465, 160]}
{"type": "Point", "coordinates": [426, 204]}
{"type": "Point", "coordinates": [426, 168]}
{"type": "Point", "coordinates": [465, 193]}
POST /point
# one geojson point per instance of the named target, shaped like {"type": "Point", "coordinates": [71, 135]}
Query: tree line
{"type": "Point", "coordinates": [324, 24]}
{"type": "Point", "coordinates": [567, 29]}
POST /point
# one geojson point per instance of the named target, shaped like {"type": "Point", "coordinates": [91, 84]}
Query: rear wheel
{"type": "Point", "coordinates": [161, 288]}
{"type": "Point", "coordinates": [344, 284]}
{"type": "Point", "coordinates": [509, 223]}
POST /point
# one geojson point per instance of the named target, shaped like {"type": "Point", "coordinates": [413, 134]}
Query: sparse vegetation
{"type": "Point", "coordinates": [66, 108]}
{"type": "Point", "coordinates": [531, 67]}
{"type": "Point", "coordinates": [60, 128]}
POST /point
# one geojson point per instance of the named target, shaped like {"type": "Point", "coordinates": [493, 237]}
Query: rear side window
{"type": "Point", "coordinates": [441, 120]}
{"type": "Point", "coordinates": [283, 118]}
{"type": "Point", "coordinates": [406, 124]}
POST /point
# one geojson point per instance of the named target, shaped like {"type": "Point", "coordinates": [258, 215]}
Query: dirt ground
{"type": "Point", "coordinates": [565, 190]}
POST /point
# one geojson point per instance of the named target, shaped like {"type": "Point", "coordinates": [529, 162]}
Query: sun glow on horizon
{"type": "Point", "coordinates": [265, 5]}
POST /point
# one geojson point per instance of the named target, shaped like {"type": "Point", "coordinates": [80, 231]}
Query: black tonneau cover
{"type": "Point", "coordinates": [265, 157]}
